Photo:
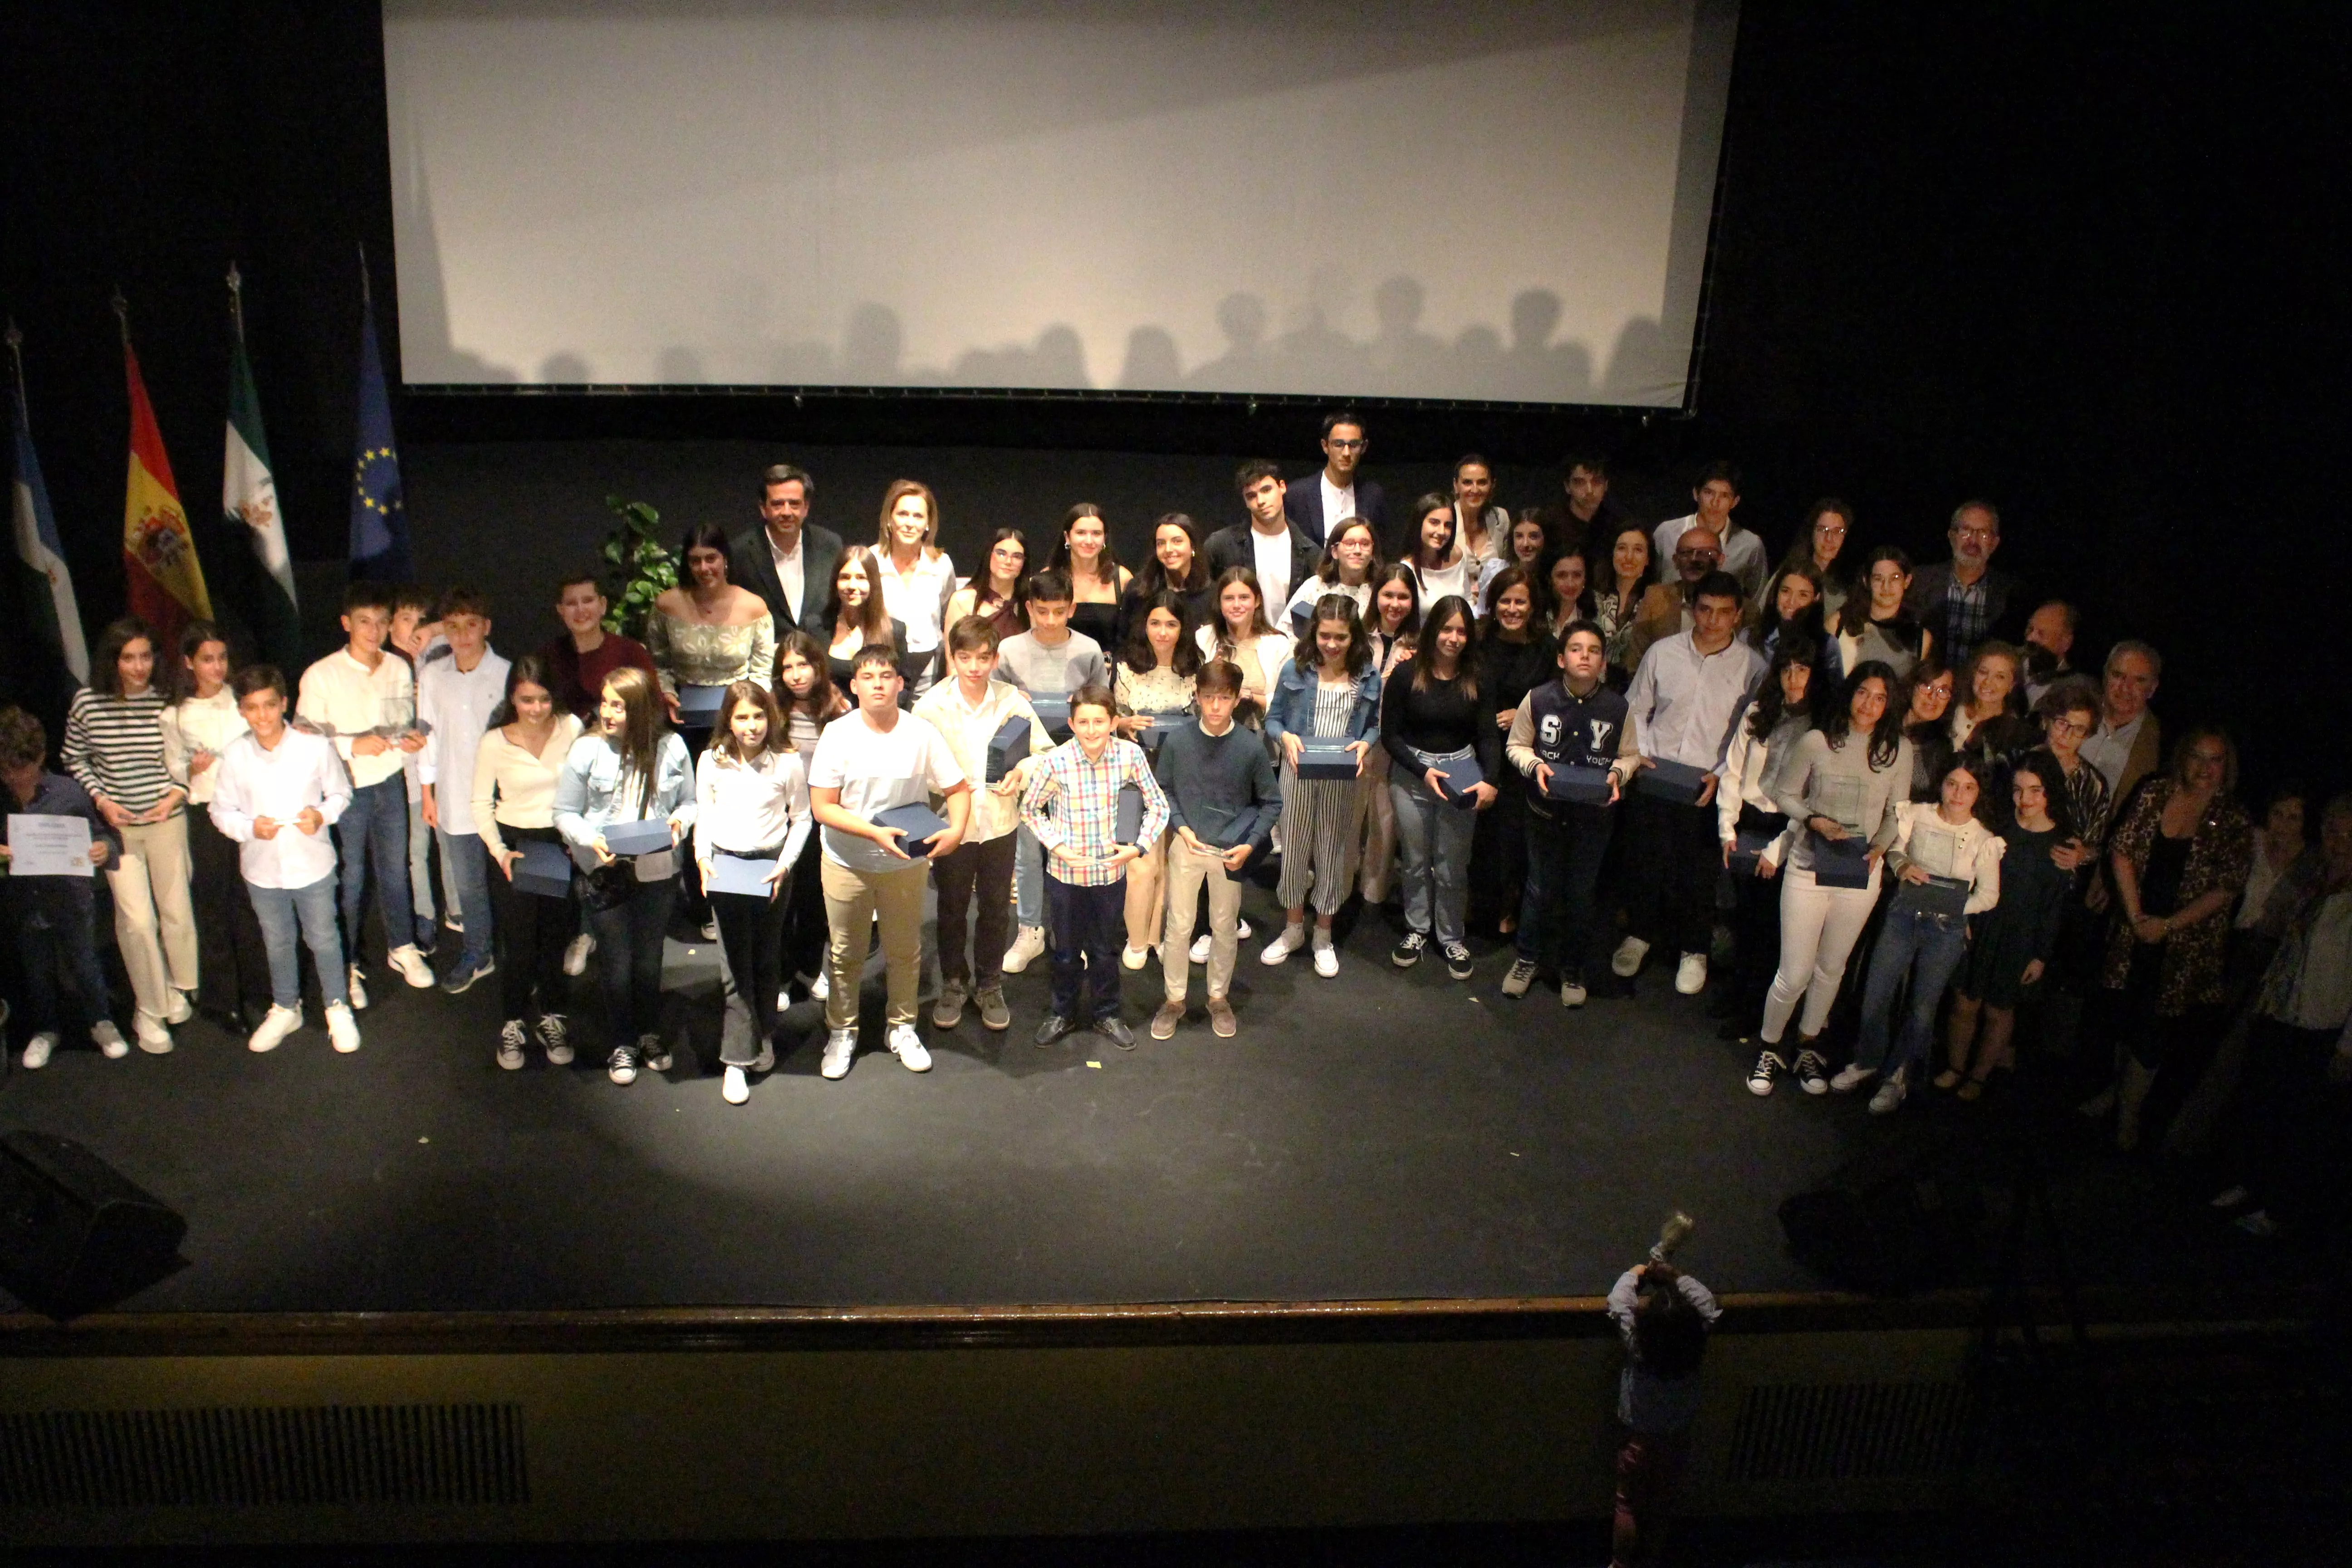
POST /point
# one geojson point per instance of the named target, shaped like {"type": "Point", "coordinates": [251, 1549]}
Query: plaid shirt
{"type": "Point", "coordinates": [1084, 798]}
{"type": "Point", "coordinates": [1964, 615]}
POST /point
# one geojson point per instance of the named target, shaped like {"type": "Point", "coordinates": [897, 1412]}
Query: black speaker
{"type": "Point", "coordinates": [1895, 1218]}
{"type": "Point", "coordinates": [75, 1233]}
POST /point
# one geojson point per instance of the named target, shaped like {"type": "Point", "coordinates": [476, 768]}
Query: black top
{"type": "Point", "coordinates": [1438, 720]}
{"type": "Point", "coordinates": [1100, 621]}
{"type": "Point", "coordinates": [1507, 672]}
{"type": "Point", "coordinates": [1132, 603]}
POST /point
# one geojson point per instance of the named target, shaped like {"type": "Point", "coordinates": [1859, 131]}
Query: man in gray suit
{"type": "Point", "coordinates": [789, 561]}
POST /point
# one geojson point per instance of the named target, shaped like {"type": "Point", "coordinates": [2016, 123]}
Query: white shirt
{"type": "Point", "coordinates": [2319, 997]}
{"type": "Point", "coordinates": [516, 784]}
{"type": "Point", "coordinates": [1272, 551]}
{"type": "Point", "coordinates": [2109, 750]}
{"type": "Point", "coordinates": [1682, 701]}
{"type": "Point", "coordinates": [919, 598]}
{"type": "Point", "coordinates": [743, 807]}
{"type": "Point", "coordinates": [302, 771]}
{"type": "Point", "coordinates": [457, 703]}
{"type": "Point", "coordinates": [1743, 552]}
{"type": "Point", "coordinates": [968, 728]}
{"type": "Point", "coordinates": [1339, 505]}
{"type": "Point", "coordinates": [208, 723]}
{"type": "Point", "coordinates": [1313, 590]}
{"type": "Point", "coordinates": [788, 572]}
{"type": "Point", "coordinates": [1437, 584]}
{"type": "Point", "coordinates": [875, 771]}
{"type": "Point", "coordinates": [340, 692]}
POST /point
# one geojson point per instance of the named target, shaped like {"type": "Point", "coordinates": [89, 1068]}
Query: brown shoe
{"type": "Point", "coordinates": [1220, 1018]}
{"type": "Point", "coordinates": [1164, 1022]}
{"type": "Point", "coordinates": [993, 1012]}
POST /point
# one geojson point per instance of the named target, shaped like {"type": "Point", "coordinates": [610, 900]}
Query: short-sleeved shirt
{"type": "Point", "coordinates": [874, 771]}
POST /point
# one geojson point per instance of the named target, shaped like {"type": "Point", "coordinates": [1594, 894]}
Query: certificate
{"type": "Point", "coordinates": [48, 846]}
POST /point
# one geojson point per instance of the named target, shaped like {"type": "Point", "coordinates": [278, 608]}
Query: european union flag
{"type": "Point", "coordinates": [379, 516]}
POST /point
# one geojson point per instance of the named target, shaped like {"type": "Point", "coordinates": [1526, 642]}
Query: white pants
{"type": "Point", "coordinates": [154, 912]}
{"type": "Point", "coordinates": [1819, 926]}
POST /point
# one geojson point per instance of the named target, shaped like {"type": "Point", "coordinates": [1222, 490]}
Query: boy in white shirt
{"type": "Point", "coordinates": [455, 699]}
{"type": "Point", "coordinates": [365, 700]}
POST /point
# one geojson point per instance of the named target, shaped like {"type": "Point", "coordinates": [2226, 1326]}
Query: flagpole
{"type": "Point", "coordinates": [122, 314]}
{"type": "Point", "coordinates": [16, 358]}
{"type": "Point", "coordinates": [366, 296]}
{"type": "Point", "coordinates": [237, 301]}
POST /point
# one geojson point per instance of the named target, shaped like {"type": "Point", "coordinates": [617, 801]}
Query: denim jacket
{"type": "Point", "coordinates": [1292, 706]}
{"type": "Point", "coordinates": [588, 795]}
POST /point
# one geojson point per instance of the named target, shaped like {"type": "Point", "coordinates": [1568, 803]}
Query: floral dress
{"type": "Point", "coordinates": [2219, 854]}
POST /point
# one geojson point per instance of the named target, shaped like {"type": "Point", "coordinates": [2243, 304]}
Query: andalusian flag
{"type": "Point", "coordinates": [39, 547]}
{"type": "Point", "coordinates": [159, 555]}
{"type": "Point", "coordinates": [249, 504]}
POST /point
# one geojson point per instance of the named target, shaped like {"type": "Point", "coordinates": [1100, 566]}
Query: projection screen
{"type": "Point", "coordinates": [1371, 198]}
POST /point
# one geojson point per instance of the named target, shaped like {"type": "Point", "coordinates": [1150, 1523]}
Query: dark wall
{"type": "Point", "coordinates": [2070, 259]}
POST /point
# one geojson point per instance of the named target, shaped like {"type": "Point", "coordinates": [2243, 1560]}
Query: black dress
{"type": "Point", "coordinates": [1100, 622]}
{"type": "Point", "coordinates": [1507, 672]}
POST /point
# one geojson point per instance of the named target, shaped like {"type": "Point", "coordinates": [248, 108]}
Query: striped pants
{"type": "Point", "coordinates": [1322, 822]}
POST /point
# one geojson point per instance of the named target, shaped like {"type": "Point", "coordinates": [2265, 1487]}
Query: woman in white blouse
{"type": "Point", "coordinates": [917, 576]}
{"type": "Point", "coordinates": [515, 768]}
{"type": "Point", "coordinates": [1485, 527]}
{"type": "Point", "coordinates": [232, 963]}
{"type": "Point", "coordinates": [1439, 562]}
{"type": "Point", "coordinates": [750, 803]}
{"type": "Point", "coordinates": [1243, 634]}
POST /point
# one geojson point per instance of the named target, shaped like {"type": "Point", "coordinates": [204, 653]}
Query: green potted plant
{"type": "Point", "coordinates": [637, 566]}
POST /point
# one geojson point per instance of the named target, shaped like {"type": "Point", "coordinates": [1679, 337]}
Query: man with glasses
{"type": "Point", "coordinates": [1963, 601]}
{"type": "Point", "coordinates": [2129, 742]}
{"type": "Point", "coordinates": [1337, 494]}
{"type": "Point", "coordinates": [1738, 550]}
{"type": "Point", "coordinates": [1666, 608]}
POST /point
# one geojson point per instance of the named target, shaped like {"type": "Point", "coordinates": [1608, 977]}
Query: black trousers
{"type": "Point", "coordinates": [532, 932]}
{"type": "Point", "coordinates": [806, 939]}
{"type": "Point", "coordinates": [752, 930]}
{"type": "Point", "coordinates": [1756, 923]}
{"type": "Point", "coordinates": [232, 963]}
{"type": "Point", "coordinates": [1678, 859]}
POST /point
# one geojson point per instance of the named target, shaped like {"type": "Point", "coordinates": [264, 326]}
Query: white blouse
{"type": "Point", "coordinates": [196, 724]}
{"type": "Point", "coordinates": [1260, 658]}
{"type": "Point", "coordinates": [918, 599]}
{"type": "Point", "coordinates": [516, 785]}
{"type": "Point", "coordinates": [740, 807]}
{"type": "Point", "coordinates": [1437, 584]}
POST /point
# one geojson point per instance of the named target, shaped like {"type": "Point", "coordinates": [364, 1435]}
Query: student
{"type": "Point", "coordinates": [917, 578]}
{"type": "Point", "coordinates": [1329, 692]}
{"type": "Point", "coordinates": [354, 696]}
{"type": "Point", "coordinates": [872, 760]}
{"type": "Point", "coordinates": [1845, 781]}
{"type": "Point", "coordinates": [54, 919]}
{"type": "Point", "coordinates": [1071, 806]}
{"type": "Point", "coordinates": [1177, 566]}
{"type": "Point", "coordinates": [1919, 948]}
{"type": "Point", "coordinates": [1153, 686]}
{"type": "Point", "coordinates": [1352, 559]}
{"type": "Point", "coordinates": [1792, 604]}
{"type": "Point", "coordinates": [1715, 498]}
{"type": "Point", "coordinates": [1433, 713]}
{"type": "Point", "coordinates": [1526, 546]}
{"type": "Point", "coordinates": [976, 878]}
{"type": "Point", "coordinates": [1271, 544]}
{"type": "Point", "coordinates": [280, 791]}
{"type": "Point", "coordinates": [1394, 626]}
{"type": "Point", "coordinates": [858, 618]}
{"type": "Point", "coordinates": [1821, 544]}
{"type": "Point", "coordinates": [1097, 581]}
{"type": "Point", "coordinates": [1049, 659]}
{"type": "Point", "coordinates": [1243, 636]}
{"type": "Point", "coordinates": [1512, 657]}
{"type": "Point", "coordinates": [1924, 721]}
{"type": "Point", "coordinates": [579, 659]}
{"type": "Point", "coordinates": [114, 749]}
{"type": "Point", "coordinates": [232, 965]}
{"type": "Point", "coordinates": [996, 596]}
{"type": "Point", "coordinates": [1442, 568]}
{"type": "Point", "coordinates": [455, 699]}
{"type": "Point", "coordinates": [1591, 520]}
{"type": "Point", "coordinates": [1574, 721]}
{"type": "Point", "coordinates": [1663, 1316]}
{"type": "Point", "coordinates": [630, 767]}
{"type": "Point", "coordinates": [515, 765]}
{"type": "Point", "coordinates": [1682, 701]}
{"type": "Point", "coordinates": [417, 637]}
{"type": "Point", "coordinates": [810, 700]}
{"type": "Point", "coordinates": [752, 802]}
{"type": "Point", "coordinates": [1875, 625]}
{"type": "Point", "coordinates": [1223, 803]}
{"type": "Point", "coordinates": [1337, 491]}
{"type": "Point", "coordinates": [1763, 739]}
{"type": "Point", "coordinates": [707, 631]}
{"type": "Point", "coordinates": [2014, 943]}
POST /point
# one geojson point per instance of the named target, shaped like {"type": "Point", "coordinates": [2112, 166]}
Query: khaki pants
{"type": "Point", "coordinates": [1187, 869]}
{"type": "Point", "coordinates": [1379, 872]}
{"type": "Point", "coordinates": [154, 914]}
{"type": "Point", "coordinates": [1146, 882]}
{"type": "Point", "coordinates": [852, 899]}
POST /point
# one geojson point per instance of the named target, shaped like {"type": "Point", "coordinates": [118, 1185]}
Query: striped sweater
{"type": "Point", "coordinates": [114, 747]}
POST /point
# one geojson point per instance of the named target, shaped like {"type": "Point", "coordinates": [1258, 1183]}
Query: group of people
{"type": "Point", "coordinates": [1918, 814]}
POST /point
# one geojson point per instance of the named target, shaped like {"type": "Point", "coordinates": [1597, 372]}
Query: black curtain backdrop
{"type": "Point", "coordinates": [2074, 259]}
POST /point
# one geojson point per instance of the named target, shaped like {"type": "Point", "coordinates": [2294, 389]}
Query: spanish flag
{"type": "Point", "coordinates": [165, 582]}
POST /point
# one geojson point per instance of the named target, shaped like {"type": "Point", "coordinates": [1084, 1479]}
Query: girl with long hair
{"type": "Point", "coordinates": [1929, 700]}
{"type": "Point", "coordinates": [232, 963]}
{"type": "Point", "coordinates": [994, 594]}
{"type": "Point", "coordinates": [1433, 715]}
{"type": "Point", "coordinates": [1392, 628]}
{"type": "Point", "coordinates": [1874, 626]}
{"type": "Point", "coordinates": [860, 617]}
{"type": "Point", "coordinates": [707, 631]}
{"type": "Point", "coordinates": [1243, 635]}
{"type": "Point", "coordinates": [1841, 783]}
{"type": "Point", "coordinates": [1176, 566]}
{"type": "Point", "coordinates": [1152, 686]}
{"type": "Point", "coordinates": [1083, 552]}
{"type": "Point", "coordinates": [1821, 544]}
{"type": "Point", "coordinates": [750, 803]}
{"type": "Point", "coordinates": [2015, 943]}
{"type": "Point", "coordinates": [630, 767]}
{"type": "Point", "coordinates": [1352, 559]}
{"type": "Point", "coordinates": [1527, 545]}
{"type": "Point", "coordinates": [916, 577]}
{"type": "Point", "coordinates": [1791, 602]}
{"type": "Point", "coordinates": [1513, 658]}
{"type": "Point", "coordinates": [515, 771]}
{"type": "Point", "coordinates": [1441, 566]}
{"type": "Point", "coordinates": [1622, 574]}
{"type": "Point", "coordinates": [810, 700]}
{"type": "Point", "coordinates": [1746, 805]}
{"type": "Point", "coordinates": [1989, 723]}
{"type": "Point", "coordinates": [1564, 594]}
{"type": "Point", "coordinates": [1328, 690]}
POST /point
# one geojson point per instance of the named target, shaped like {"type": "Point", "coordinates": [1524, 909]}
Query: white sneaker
{"type": "Point", "coordinates": [907, 1047]}
{"type": "Point", "coordinates": [359, 993]}
{"type": "Point", "coordinates": [575, 954]}
{"type": "Point", "coordinates": [766, 1060]}
{"type": "Point", "coordinates": [37, 1048]}
{"type": "Point", "coordinates": [1241, 930]}
{"type": "Point", "coordinates": [1690, 974]}
{"type": "Point", "coordinates": [343, 1029]}
{"type": "Point", "coordinates": [783, 998]}
{"type": "Point", "coordinates": [1522, 976]}
{"type": "Point", "coordinates": [1027, 946]}
{"type": "Point", "coordinates": [1889, 1097]}
{"type": "Point", "coordinates": [1571, 994]}
{"type": "Point", "coordinates": [154, 1038]}
{"type": "Point", "coordinates": [1292, 939]}
{"type": "Point", "coordinates": [822, 986]}
{"type": "Point", "coordinates": [410, 965]}
{"type": "Point", "coordinates": [839, 1046]}
{"type": "Point", "coordinates": [180, 1010]}
{"type": "Point", "coordinates": [1134, 957]}
{"type": "Point", "coordinates": [1851, 1077]}
{"type": "Point", "coordinates": [737, 1089]}
{"type": "Point", "coordinates": [278, 1023]}
{"type": "Point", "coordinates": [109, 1040]}
{"type": "Point", "coordinates": [1327, 959]}
{"type": "Point", "coordinates": [1198, 952]}
{"type": "Point", "coordinates": [1627, 961]}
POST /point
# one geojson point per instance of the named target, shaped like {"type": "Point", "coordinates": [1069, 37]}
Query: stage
{"type": "Point", "coordinates": [1384, 1135]}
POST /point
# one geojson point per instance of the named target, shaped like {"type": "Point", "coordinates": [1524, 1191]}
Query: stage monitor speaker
{"type": "Point", "coordinates": [1892, 1219]}
{"type": "Point", "coordinates": [75, 1233]}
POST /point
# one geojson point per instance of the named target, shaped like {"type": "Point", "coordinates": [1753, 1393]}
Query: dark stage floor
{"type": "Point", "coordinates": [1384, 1135]}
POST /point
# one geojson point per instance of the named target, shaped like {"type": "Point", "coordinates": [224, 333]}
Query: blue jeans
{"type": "Point", "coordinates": [1029, 879]}
{"type": "Point", "coordinates": [1557, 922]}
{"type": "Point", "coordinates": [629, 958]}
{"type": "Point", "coordinates": [374, 827]}
{"type": "Point", "coordinates": [279, 909]}
{"type": "Point", "coordinates": [1929, 949]}
{"type": "Point", "coordinates": [1434, 840]}
{"type": "Point", "coordinates": [464, 871]}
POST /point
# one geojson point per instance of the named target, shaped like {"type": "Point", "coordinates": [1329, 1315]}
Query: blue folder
{"type": "Point", "coordinates": [1748, 850]}
{"type": "Point", "coordinates": [1841, 862]}
{"type": "Point", "coordinates": [1460, 778]}
{"type": "Point", "coordinates": [738, 874]}
{"type": "Point", "coordinates": [1677, 782]}
{"type": "Point", "coordinates": [920, 824]}
{"type": "Point", "coordinates": [544, 869]}
{"type": "Point", "coordinates": [1326, 757]}
{"type": "Point", "coordinates": [698, 706]}
{"type": "Point", "coordinates": [1054, 713]}
{"type": "Point", "coordinates": [644, 836]}
{"type": "Point", "coordinates": [1129, 825]}
{"type": "Point", "coordinates": [1580, 784]}
{"type": "Point", "coordinates": [1162, 722]}
{"type": "Point", "coordinates": [1007, 747]}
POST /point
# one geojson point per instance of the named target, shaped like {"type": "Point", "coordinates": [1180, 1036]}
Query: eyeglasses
{"type": "Point", "coordinates": [1698, 555]}
{"type": "Point", "coordinates": [2068, 727]}
{"type": "Point", "coordinates": [1338, 445]}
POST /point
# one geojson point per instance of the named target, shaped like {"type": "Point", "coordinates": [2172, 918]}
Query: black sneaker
{"type": "Point", "coordinates": [655, 1052]}
{"type": "Point", "coordinates": [1457, 960]}
{"type": "Point", "coordinates": [621, 1067]}
{"type": "Point", "coordinates": [1811, 1072]}
{"type": "Point", "coordinates": [1114, 1029]}
{"type": "Point", "coordinates": [1408, 952]}
{"type": "Point", "coordinates": [1768, 1065]}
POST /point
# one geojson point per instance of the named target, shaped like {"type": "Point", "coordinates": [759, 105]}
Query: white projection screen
{"type": "Point", "coordinates": [1392, 198]}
